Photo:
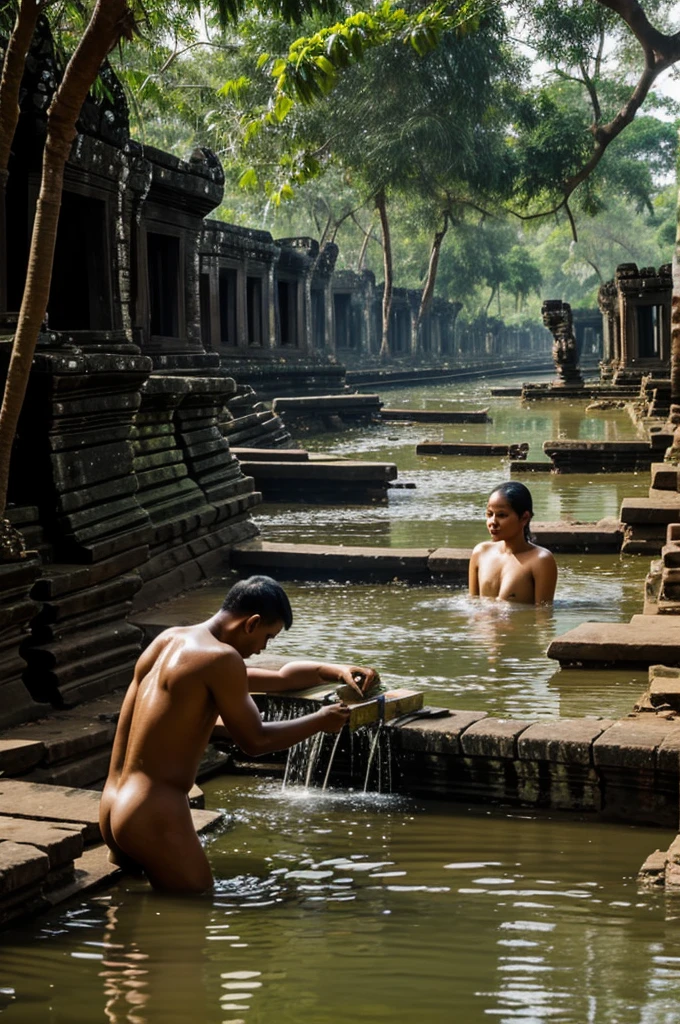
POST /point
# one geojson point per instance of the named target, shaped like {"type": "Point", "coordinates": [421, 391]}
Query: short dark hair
{"type": "Point", "coordinates": [260, 595]}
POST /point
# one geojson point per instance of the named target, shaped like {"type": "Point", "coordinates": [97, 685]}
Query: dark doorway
{"type": "Point", "coordinates": [164, 284]}
{"type": "Point", "coordinates": [254, 310]}
{"type": "Point", "coordinates": [80, 293]}
{"type": "Point", "coordinates": [228, 332]}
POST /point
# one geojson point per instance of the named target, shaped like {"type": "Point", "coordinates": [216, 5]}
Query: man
{"type": "Point", "coordinates": [183, 681]}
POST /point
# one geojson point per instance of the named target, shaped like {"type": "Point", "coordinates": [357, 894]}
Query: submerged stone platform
{"type": "Point", "coordinates": [320, 481]}
{"type": "Point", "coordinates": [436, 415]}
{"type": "Point", "coordinates": [515, 451]}
{"type": "Point", "coordinates": [606, 456]}
{"type": "Point", "coordinates": [327, 410]}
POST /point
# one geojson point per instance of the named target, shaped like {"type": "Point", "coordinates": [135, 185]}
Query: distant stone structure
{"type": "Point", "coordinates": [636, 309]}
{"type": "Point", "coordinates": [557, 317]}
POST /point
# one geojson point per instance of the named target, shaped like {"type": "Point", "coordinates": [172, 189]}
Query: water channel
{"type": "Point", "coordinates": [340, 906]}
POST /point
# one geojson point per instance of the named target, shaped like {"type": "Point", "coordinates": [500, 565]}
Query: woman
{"type": "Point", "coordinates": [509, 567]}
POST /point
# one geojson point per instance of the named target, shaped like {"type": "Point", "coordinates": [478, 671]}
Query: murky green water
{"type": "Point", "coordinates": [447, 506]}
{"type": "Point", "coordinates": [344, 908]}
{"type": "Point", "coordinates": [340, 907]}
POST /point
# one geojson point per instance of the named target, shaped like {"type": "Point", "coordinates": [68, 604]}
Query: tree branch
{"type": "Point", "coordinates": [659, 48]}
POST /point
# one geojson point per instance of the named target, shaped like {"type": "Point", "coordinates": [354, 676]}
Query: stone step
{"type": "Point", "coordinates": [516, 451]}
{"type": "Point", "coordinates": [80, 807]}
{"type": "Point", "coordinates": [645, 640]}
{"type": "Point", "coordinates": [270, 454]}
{"type": "Point", "coordinates": [436, 415]}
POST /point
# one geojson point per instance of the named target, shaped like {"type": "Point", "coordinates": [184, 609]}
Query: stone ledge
{"type": "Point", "coordinates": [493, 737]}
{"type": "Point", "coordinates": [562, 740]}
{"type": "Point", "coordinates": [632, 743]}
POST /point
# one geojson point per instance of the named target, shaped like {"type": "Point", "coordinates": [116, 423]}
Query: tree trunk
{"type": "Point", "coordinates": [381, 206]}
{"type": "Point", "coordinates": [364, 247]}
{"type": "Point", "coordinates": [431, 280]}
{"type": "Point", "coordinates": [674, 452]}
{"type": "Point", "coordinates": [10, 85]}
{"type": "Point", "coordinates": [12, 74]}
{"type": "Point", "coordinates": [110, 21]}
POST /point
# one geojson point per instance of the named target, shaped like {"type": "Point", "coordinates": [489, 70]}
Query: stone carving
{"type": "Point", "coordinates": [557, 317]}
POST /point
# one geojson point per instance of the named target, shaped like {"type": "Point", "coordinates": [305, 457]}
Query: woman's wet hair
{"type": "Point", "coordinates": [519, 499]}
{"type": "Point", "coordinates": [260, 595]}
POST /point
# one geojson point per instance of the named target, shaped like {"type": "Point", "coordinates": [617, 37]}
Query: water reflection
{"type": "Point", "coordinates": [337, 907]}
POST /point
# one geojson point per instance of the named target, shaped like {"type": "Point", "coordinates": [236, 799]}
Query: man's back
{"type": "Point", "coordinates": [173, 712]}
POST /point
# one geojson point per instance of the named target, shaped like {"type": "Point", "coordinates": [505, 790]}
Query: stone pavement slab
{"type": "Point", "coordinates": [51, 803]}
{"type": "Point", "coordinates": [19, 755]}
{"type": "Point", "coordinates": [646, 639]}
{"type": "Point", "coordinates": [66, 736]}
{"type": "Point", "coordinates": [562, 740]}
{"type": "Point", "coordinates": [61, 844]}
{"type": "Point", "coordinates": [493, 737]}
{"type": "Point", "coordinates": [632, 743]}
{"type": "Point", "coordinates": [79, 806]}
{"type": "Point", "coordinates": [21, 866]}
{"type": "Point", "coordinates": [438, 735]}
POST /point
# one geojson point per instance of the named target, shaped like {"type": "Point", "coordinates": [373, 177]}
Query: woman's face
{"type": "Point", "coordinates": [502, 521]}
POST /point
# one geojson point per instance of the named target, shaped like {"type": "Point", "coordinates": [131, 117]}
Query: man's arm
{"type": "Point", "coordinates": [228, 683]}
{"type": "Point", "coordinates": [302, 675]}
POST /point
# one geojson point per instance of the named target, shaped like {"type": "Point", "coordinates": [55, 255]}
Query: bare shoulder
{"type": "Point", "coordinates": [543, 555]}
{"type": "Point", "coordinates": [485, 545]}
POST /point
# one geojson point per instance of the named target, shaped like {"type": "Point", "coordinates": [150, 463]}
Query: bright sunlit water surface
{"type": "Point", "coordinates": [340, 907]}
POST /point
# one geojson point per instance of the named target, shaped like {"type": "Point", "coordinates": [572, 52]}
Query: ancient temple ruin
{"type": "Point", "coordinates": [164, 331]}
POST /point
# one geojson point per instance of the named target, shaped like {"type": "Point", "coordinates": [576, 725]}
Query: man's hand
{"type": "Point", "coordinates": [358, 679]}
{"type": "Point", "coordinates": [334, 717]}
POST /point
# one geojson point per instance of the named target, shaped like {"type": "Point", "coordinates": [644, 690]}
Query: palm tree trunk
{"type": "Point", "coordinates": [381, 206]}
{"type": "Point", "coordinates": [10, 85]}
{"type": "Point", "coordinates": [431, 280]}
{"type": "Point", "coordinates": [111, 20]}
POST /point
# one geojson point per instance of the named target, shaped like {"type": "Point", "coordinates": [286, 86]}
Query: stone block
{"type": "Point", "coordinates": [450, 562]}
{"type": "Point", "coordinates": [645, 640]}
{"type": "Point", "coordinates": [561, 740]}
{"type": "Point", "coordinates": [664, 476]}
{"type": "Point", "coordinates": [558, 785]}
{"type": "Point", "coordinates": [18, 756]}
{"type": "Point", "coordinates": [303, 559]}
{"type": "Point", "coordinates": [668, 753]}
{"type": "Point", "coordinates": [51, 803]}
{"type": "Point", "coordinates": [86, 770]}
{"type": "Point", "coordinates": [632, 743]}
{"type": "Point", "coordinates": [437, 736]}
{"type": "Point", "coordinates": [56, 581]}
{"type": "Point", "coordinates": [61, 844]}
{"type": "Point", "coordinates": [658, 511]}
{"type": "Point", "coordinates": [670, 554]}
{"type": "Point", "coordinates": [21, 866]}
{"type": "Point", "coordinates": [665, 691]}
{"type": "Point", "coordinates": [653, 870]}
{"type": "Point", "coordinates": [270, 454]}
{"type": "Point", "coordinates": [92, 869]}
{"type": "Point", "coordinates": [492, 738]}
